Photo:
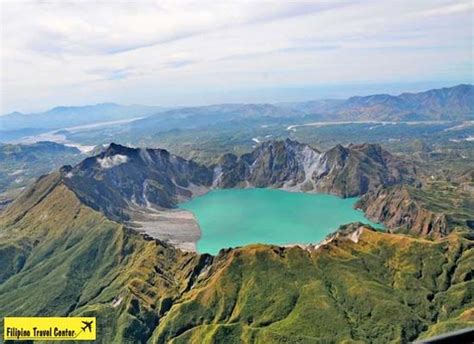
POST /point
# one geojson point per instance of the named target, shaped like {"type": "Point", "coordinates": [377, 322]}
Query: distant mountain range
{"type": "Point", "coordinates": [202, 116]}
{"type": "Point", "coordinates": [69, 116]}
{"type": "Point", "coordinates": [453, 103]}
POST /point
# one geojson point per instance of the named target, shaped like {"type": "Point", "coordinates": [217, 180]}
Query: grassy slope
{"type": "Point", "coordinates": [62, 258]}
{"type": "Point", "coordinates": [384, 288]}
{"type": "Point", "coordinates": [446, 198]}
{"type": "Point", "coordinates": [70, 260]}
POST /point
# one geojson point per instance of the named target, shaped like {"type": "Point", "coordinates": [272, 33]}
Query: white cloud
{"type": "Point", "coordinates": [447, 9]}
{"type": "Point", "coordinates": [112, 161]}
{"type": "Point", "coordinates": [166, 52]}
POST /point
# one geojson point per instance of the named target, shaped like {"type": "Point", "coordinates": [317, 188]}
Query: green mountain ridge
{"type": "Point", "coordinates": [357, 286]}
{"type": "Point", "coordinates": [75, 261]}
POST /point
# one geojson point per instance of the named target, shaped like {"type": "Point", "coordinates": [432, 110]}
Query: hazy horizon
{"type": "Point", "coordinates": [183, 54]}
{"type": "Point", "coordinates": [338, 93]}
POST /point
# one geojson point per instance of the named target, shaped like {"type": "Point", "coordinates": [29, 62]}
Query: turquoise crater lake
{"type": "Point", "coordinates": [237, 217]}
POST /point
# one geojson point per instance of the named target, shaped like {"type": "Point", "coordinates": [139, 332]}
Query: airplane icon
{"type": "Point", "coordinates": [88, 326]}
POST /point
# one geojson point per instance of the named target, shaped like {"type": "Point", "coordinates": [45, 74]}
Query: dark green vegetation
{"type": "Point", "coordinates": [454, 200]}
{"type": "Point", "coordinates": [22, 164]}
{"type": "Point", "coordinates": [442, 200]}
{"type": "Point", "coordinates": [384, 288]}
{"type": "Point", "coordinates": [360, 285]}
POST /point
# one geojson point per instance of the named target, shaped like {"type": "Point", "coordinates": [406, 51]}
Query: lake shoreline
{"type": "Point", "coordinates": [289, 223]}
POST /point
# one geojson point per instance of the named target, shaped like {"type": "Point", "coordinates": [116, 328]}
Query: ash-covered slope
{"type": "Point", "coordinates": [272, 164]}
{"type": "Point", "coordinates": [343, 171]}
{"type": "Point", "coordinates": [121, 178]}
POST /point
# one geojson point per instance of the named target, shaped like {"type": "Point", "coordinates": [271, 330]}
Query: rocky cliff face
{"type": "Point", "coordinates": [398, 210]}
{"type": "Point", "coordinates": [344, 171]}
{"type": "Point", "coordinates": [356, 169]}
{"type": "Point", "coordinates": [121, 178]}
{"type": "Point", "coordinates": [61, 257]}
{"type": "Point", "coordinates": [433, 210]}
{"type": "Point", "coordinates": [272, 164]}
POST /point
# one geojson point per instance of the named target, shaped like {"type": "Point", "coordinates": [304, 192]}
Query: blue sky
{"type": "Point", "coordinates": [184, 53]}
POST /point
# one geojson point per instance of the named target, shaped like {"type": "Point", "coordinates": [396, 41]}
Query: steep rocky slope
{"type": "Point", "coordinates": [434, 209]}
{"type": "Point", "coordinates": [344, 171]}
{"type": "Point", "coordinates": [120, 178]}
{"type": "Point", "coordinates": [143, 177]}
